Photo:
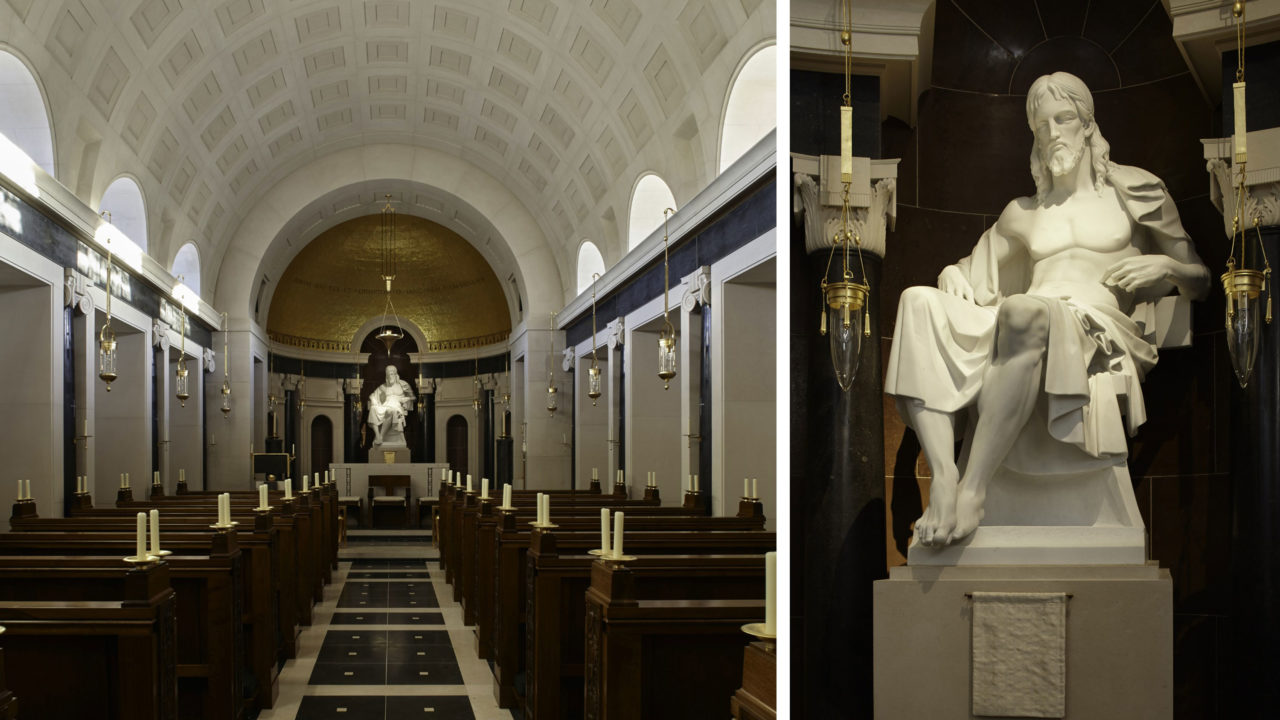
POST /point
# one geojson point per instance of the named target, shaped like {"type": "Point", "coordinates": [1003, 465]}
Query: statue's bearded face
{"type": "Point", "coordinates": [1060, 135]}
{"type": "Point", "coordinates": [392, 375]}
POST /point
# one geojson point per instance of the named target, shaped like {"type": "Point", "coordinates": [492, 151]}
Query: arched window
{"type": "Point", "coordinates": [648, 200]}
{"type": "Point", "coordinates": [589, 261]}
{"type": "Point", "coordinates": [123, 199]}
{"type": "Point", "coordinates": [744, 120]}
{"type": "Point", "coordinates": [186, 264]}
{"type": "Point", "coordinates": [22, 114]}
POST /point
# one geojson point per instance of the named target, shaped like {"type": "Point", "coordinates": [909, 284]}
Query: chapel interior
{"type": "Point", "coordinates": [310, 310]}
{"type": "Point", "coordinates": [938, 95]}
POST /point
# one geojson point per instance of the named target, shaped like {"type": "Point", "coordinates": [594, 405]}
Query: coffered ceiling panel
{"type": "Point", "coordinates": [563, 102]}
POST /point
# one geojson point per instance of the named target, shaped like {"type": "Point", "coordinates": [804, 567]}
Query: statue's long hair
{"type": "Point", "coordinates": [1063, 85]}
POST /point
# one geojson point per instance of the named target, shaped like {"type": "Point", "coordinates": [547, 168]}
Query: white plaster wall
{"type": "Point", "coordinates": [591, 422]}
{"type": "Point", "coordinates": [122, 415]}
{"type": "Point", "coordinates": [324, 397]}
{"type": "Point", "coordinates": [548, 433]}
{"type": "Point", "coordinates": [653, 418]}
{"type": "Point", "coordinates": [744, 370]}
{"type": "Point", "coordinates": [31, 362]}
{"type": "Point", "coordinates": [186, 438]}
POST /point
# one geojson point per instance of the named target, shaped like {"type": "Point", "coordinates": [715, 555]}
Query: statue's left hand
{"type": "Point", "coordinates": [1141, 271]}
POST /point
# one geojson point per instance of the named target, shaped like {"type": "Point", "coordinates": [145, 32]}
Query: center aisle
{"type": "Point", "coordinates": [383, 645]}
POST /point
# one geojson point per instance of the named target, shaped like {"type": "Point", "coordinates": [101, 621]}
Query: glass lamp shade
{"type": "Point", "coordinates": [107, 356]}
{"type": "Point", "coordinates": [181, 385]}
{"type": "Point", "coordinates": [226, 398]}
{"type": "Point", "coordinates": [1244, 319]}
{"type": "Point", "coordinates": [667, 358]}
{"type": "Point", "coordinates": [843, 321]}
{"type": "Point", "coordinates": [593, 383]}
{"type": "Point", "coordinates": [552, 400]}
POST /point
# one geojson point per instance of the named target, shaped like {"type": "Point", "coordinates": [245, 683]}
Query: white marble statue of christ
{"type": "Point", "coordinates": [1052, 309]}
{"type": "Point", "coordinates": [388, 407]}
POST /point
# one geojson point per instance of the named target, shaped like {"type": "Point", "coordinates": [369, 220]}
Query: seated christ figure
{"type": "Point", "coordinates": [389, 405]}
{"type": "Point", "coordinates": [1045, 329]}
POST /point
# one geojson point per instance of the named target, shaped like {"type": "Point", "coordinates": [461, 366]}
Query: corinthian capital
{"type": "Point", "coordinates": [818, 196]}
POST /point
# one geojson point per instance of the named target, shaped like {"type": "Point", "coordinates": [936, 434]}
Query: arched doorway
{"type": "Point", "coordinates": [455, 443]}
{"type": "Point", "coordinates": [321, 444]}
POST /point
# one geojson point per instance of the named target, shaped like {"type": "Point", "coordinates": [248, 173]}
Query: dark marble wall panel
{"type": "Point", "coordinates": [975, 151]}
{"type": "Point", "coordinates": [1084, 59]}
{"type": "Point", "coordinates": [924, 242]}
{"type": "Point", "coordinates": [1062, 18]}
{"type": "Point", "coordinates": [1262, 86]}
{"type": "Point", "coordinates": [1016, 27]}
{"type": "Point", "coordinates": [1147, 53]}
{"type": "Point", "coordinates": [1111, 21]}
{"type": "Point", "coordinates": [816, 98]}
{"type": "Point", "coordinates": [965, 57]}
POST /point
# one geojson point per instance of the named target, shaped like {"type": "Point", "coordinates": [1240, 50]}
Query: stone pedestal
{"type": "Point", "coordinates": [1119, 638]}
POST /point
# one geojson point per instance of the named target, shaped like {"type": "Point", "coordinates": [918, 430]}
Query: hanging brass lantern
{"type": "Point", "coordinates": [593, 374]}
{"type": "Point", "coordinates": [552, 401]}
{"type": "Point", "coordinates": [845, 316]}
{"type": "Point", "coordinates": [391, 332]}
{"type": "Point", "coordinates": [181, 382]}
{"type": "Point", "coordinates": [667, 336]}
{"type": "Point", "coordinates": [107, 336]}
{"type": "Point", "coordinates": [226, 371]}
{"type": "Point", "coordinates": [1244, 286]}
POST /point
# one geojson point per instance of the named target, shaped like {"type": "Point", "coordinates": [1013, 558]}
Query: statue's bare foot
{"type": "Point", "coordinates": [969, 512]}
{"type": "Point", "coordinates": [939, 519]}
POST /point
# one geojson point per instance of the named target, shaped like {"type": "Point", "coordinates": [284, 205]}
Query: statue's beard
{"type": "Point", "coordinates": [1063, 159]}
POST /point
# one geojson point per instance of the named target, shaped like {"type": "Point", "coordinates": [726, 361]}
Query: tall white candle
{"type": "Point", "coordinates": [28, 496]}
{"type": "Point", "coordinates": [141, 548]}
{"type": "Point", "coordinates": [155, 532]}
{"type": "Point", "coordinates": [746, 488]}
{"type": "Point", "coordinates": [226, 508]}
{"type": "Point", "coordinates": [754, 489]}
{"type": "Point", "coordinates": [604, 531]}
{"type": "Point", "coordinates": [538, 508]}
{"type": "Point", "coordinates": [595, 473]}
{"type": "Point", "coordinates": [469, 482]}
{"type": "Point", "coordinates": [306, 483]}
{"type": "Point", "coordinates": [506, 496]}
{"type": "Point", "coordinates": [288, 489]}
{"type": "Point", "coordinates": [127, 484]}
{"type": "Point", "coordinates": [696, 487]}
{"type": "Point", "coordinates": [19, 488]}
{"type": "Point", "coordinates": [770, 592]}
{"type": "Point", "coordinates": [546, 509]}
{"type": "Point", "coordinates": [182, 475]}
{"type": "Point", "coordinates": [617, 534]}
{"type": "Point", "coordinates": [262, 495]}
{"type": "Point", "coordinates": [155, 477]}
{"type": "Point", "coordinates": [484, 488]}
{"type": "Point", "coordinates": [121, 481]}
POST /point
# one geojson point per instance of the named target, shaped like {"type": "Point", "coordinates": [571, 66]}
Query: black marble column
{"type": "Point", "coordinates": [68, 410]}
{"type": "Point", "coordinates": [1255, 536]}
{"type": "Point", "coordinates": [837, 500]}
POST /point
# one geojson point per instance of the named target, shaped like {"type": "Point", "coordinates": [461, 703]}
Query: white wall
{"type": "Point", "coordinates": [591, 421]}
{"type": "Point", "coordinates": [122, 415]}
{"type": "Point", "coordinates": [653, 415]}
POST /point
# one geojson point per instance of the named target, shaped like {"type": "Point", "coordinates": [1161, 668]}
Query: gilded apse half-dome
{"type": "Point", "coordinates": [334, 287]}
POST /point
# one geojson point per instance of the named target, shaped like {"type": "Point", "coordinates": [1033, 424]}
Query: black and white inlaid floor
{"type": "Point", "coordinates": [385, 646]}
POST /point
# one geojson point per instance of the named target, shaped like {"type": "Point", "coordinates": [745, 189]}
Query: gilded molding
{"type": "Point", "coordinates": [432, 346]}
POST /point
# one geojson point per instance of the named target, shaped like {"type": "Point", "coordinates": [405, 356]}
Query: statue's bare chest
{"type": "Point", "coordinates": [1086, 221]}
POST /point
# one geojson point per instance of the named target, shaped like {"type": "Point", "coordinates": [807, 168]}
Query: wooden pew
{"type": "Point", "coordinates": [264, 639]}
{"type": "Point", "coordinates": [556, 611]}
{"type": "Point", "coordinates": [757, 698]}
{"type": "Point", "coordinates": [511, 576]}
{"type": "Point", "coordinates": [209, 651]}
{"type": "Point", "coordinates": [670, 659]}
{"type": "Point", "coordinates": [110, 659]}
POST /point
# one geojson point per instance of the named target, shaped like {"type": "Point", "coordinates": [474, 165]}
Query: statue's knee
{"type": "Point", "coordinates": [1022, 323]}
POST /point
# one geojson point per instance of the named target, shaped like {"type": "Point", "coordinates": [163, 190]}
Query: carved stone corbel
{"type": "Point", "coordinates": [352, 386]}
{"type": "Point", "coordinates": [697, 289]}
{"type": "Point", "coordinates": [208, 360]}
{"type": "Point", "coordinates": [1262, 182]}
{"type": "Point", "coordinates": [566, 359]}
{"type": "Point", "coordinates": [821, 222]}
{"type": "Point", "coordinates": [75, 292]}
{"type": "Point", "coordinates": [160, 334]}
{"type": "Point", "coordinates": [615, 334]}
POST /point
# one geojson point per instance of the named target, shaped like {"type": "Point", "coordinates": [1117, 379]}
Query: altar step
{"type": "Point", "coordinates": [388, 536]}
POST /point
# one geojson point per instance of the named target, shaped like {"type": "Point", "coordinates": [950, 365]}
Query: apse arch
{"type": "Point", "coordinates": [650, 196]}
{"type": "Point", "coordinates": [590, 261]}
{"type": "Point", "coordinates": [754, 86]}
{"type": "Point", "coordinates": [430, 184]}
{"type": "Point", "coordinates": [24, 115]}
{"type": "Point", "coordinates": [186, 265]}
{"type": "Point", "coordinates": [123, 199]}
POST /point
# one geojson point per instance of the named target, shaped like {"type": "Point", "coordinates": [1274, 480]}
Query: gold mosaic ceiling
{"type": "Point", "coordinates": [443, 285]}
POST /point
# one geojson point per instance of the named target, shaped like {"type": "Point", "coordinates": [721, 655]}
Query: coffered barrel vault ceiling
{"type": "Point", "coordinates": [210, 104]}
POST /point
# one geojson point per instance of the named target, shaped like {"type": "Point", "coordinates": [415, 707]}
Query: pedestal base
{"type": "Point", "coordinates": [1119, 638]}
